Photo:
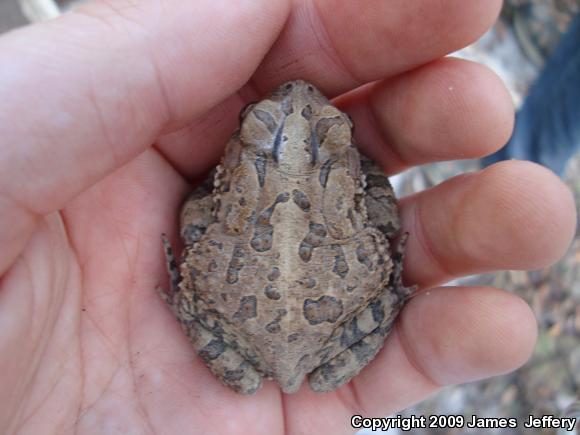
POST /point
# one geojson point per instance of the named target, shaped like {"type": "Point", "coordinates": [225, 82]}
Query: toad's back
{"type": "Point", "coordinates": [288, 269]}
{"type": "Point", "coordinates": [290, 255]}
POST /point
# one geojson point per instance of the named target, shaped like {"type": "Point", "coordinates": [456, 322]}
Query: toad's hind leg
{"type": "Point", "coordinates": [172, 270]}
{"type": "Point", "coordinates": [364, 335]}
{"type": "Point", "coordinates": [196, 216]}
{"type": "Point", "coordinates": [197, 211]}
{"type": "Point", "coordinates": [224, 361]}
{"type": "Point", "coordinates": [348, 363]}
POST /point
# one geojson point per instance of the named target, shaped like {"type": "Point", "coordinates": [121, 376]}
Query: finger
{"type": "Point", "coordinates": [449, 109]}
{"type": "Point", "coordinates": [512, 215]}
{"type": "Point", "coordinates": [339, 45]}
{"type": "Point", "coordinates": [446, 336]}
{"type": "Point", "coordinates": [82, 104]}
{"type": "Point", "coordinates": [194, 149]}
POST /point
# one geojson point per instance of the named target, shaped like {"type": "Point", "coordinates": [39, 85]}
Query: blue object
{"type": "Point", "coordinates": [547, 128]}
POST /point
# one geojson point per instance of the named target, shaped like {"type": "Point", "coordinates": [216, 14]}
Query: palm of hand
{"type": "Point", "coordinates": [87, 346]}
{"type": "Point", "coordinates": [107, 354]}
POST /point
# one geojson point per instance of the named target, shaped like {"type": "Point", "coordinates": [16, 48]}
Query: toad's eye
{"type": "Point", "coordinates": [350, 122]}
{"type": "Point", "coordinates": [261, 129]}
{"type": "Point", "coordinates": [333, 134]}
{"type": "Point", "coordinates": [247, 109]}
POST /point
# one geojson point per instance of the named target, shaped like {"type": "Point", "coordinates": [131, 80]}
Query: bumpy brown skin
{"type": "Point", "coordinates": [289, 268]}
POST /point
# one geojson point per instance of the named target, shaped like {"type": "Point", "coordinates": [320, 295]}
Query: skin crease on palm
{"type": "Point", "coordinates": [110, 112]}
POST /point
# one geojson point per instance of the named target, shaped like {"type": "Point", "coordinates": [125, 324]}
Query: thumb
{"type": "Point", "coordinates": [84, 94]}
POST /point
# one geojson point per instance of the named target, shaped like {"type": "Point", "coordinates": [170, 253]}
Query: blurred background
{"type": "Point", "coordinates": [535, 48]}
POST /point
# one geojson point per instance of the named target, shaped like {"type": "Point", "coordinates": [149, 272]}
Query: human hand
{"type": "Point", "coordinates": [108, 113]}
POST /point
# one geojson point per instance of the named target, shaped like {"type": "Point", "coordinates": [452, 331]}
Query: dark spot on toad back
{"type": "Point", "coordinates": [282, 197]}
{"type": "Point", "coordinates": [378, 311]}
{"type": "Point", "coordinates": [193, 272]}
{"type": "Point", "coordinates": [363, 351]}
{"type": "Point", "coordinates": [235, 265]}
{"type": "Point", "coordinates": [212, 350]}
{"type": "Point", "coordinates": [263, 232]}
{"type": "Point", "coordinates": [362, 256]}
{"type": "Point", "coordinates": [274, 274]}
{"type": "Point", "coordinates": [192, 233]}
{"type": "Point", "coordinates": [217, 244]}
{"type": "Point", "coordinates": [305, 252]}
{"type": "Point", "coordinates": [301, 200]}
{"type": "Point", "coordinates": [351, 333]}
{"type": "Point", "coordinates": [273, 327]}
{"type": "Point", "coordinates": [260, 165]}
{"type": "Point", "coordinates": [312, 240]}
{"type": "Point", "coordinates": [324, 171]}
{"type": "Point", "coordinates": [340, 265]}
{"type": "Point", "coordinates": [324, 309]}
{"type": "Point", "coordinates": [267, 119]}
{"type": "Point", "coordinates": [247, 309]}
{"type": "Point", "coordinates": [293, 337]}
{"type": "Point", "coordinates": [234, 375]}
{"type": "Point", "coordinates": [263, 242]}
{"type": "Point", "coordinates": [272, 292]}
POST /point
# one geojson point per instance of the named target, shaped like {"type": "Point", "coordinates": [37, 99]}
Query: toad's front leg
{"type": "Point", "coordinates": [196, 216]}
